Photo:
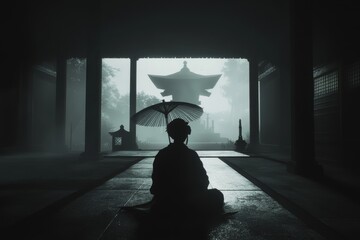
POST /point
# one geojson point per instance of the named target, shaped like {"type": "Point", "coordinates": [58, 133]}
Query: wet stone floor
{"type": "Point", "coordinates": [96, 214]}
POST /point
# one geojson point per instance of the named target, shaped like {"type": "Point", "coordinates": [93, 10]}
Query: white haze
{"type": "Point", "coordinates": [215, 105]}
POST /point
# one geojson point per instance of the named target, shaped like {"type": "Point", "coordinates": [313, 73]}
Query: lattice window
{"type": "Point", "coordinates": [326, 85]}
{"type": "Point", "coordinates": [118, 141]}
{"type": "Point", "coordinates": [352, 75]}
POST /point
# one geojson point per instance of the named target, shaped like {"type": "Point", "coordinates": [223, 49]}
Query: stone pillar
{"type": "Point", "coordinates": [60, 113]}
{"type": "Point", "coordinates": [254, 104]}
{"type": "Point", "coordinates": [133, 62]}
{"type": "Point", "coordinates": [302, 91]}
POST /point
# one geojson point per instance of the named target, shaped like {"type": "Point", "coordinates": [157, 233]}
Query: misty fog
{"type": "Point", "coordinates": [216, 129]}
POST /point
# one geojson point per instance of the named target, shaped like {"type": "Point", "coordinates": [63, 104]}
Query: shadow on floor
{"type": "Point", "coordinates": [175, 225]}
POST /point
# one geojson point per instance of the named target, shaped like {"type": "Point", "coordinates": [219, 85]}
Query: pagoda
{"type": "Point", "coordinates": [185, 86]}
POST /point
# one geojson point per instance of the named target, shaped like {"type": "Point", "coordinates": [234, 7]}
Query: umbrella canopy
{"type": "Point", "coordinates": [160, 114]}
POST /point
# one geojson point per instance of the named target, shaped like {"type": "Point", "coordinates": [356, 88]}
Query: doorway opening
{"type": "Point", "coordinates": [224, 103]}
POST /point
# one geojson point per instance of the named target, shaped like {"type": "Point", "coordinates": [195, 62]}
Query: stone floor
{"type": "Point", "coordinates": [60, 197]}
{"type": "Point", "coordinates": [329, 204]}
{"type": "Point", "coordinates": [201, 153]}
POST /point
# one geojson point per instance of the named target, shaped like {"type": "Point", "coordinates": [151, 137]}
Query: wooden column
{"type": "Point", "coordinates": [25, 101]}
{"type": "Point", "coordinates": [93, 85]}
{"type": "Point", "coordinates": [93, 105]}
{"type": "Point", "coordinates": [133, 62]}
{"type": "Point", "coordinates": [285, 119]}
{"type": "Point", "coordinates": [60, 116]}
{"type": "Point", "coordinates": [302, 91]}
{"type": "Point", "coordinates": [254, 104]}
{"type": "Point", "coordinates": [343, 155]}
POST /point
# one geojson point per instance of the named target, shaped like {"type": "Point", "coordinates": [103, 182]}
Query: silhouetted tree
{"type": "Point", "coordinates": [144, 100]}
{"type": "Point", "coordinates": [236, 90]}
{"type": "Point", "coordinates": [110, 92]}
{"type": "Point", "coordinates": [118, 108]}
{"type": "Point", "coordinates": [237, 75]}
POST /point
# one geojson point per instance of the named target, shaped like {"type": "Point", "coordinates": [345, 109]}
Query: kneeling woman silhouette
{"type": "Point", "coordinates": [179, 180]}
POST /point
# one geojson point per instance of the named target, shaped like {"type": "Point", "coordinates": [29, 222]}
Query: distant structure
{"type": "Point", "coordinates": [240, 144]}
{"type": "Point", "coordinates": [185, 86]}
{"type": "Point", "coordinates": [121, 140]}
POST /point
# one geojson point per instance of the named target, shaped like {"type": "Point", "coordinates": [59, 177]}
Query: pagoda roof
{"type": "Point", "coordinates": [184, 76]}
{"type": "Point", "coordinates": [119, 133]}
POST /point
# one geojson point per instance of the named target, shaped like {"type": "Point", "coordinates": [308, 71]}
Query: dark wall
{"type": "Point", "coordinates": [9, 116]}
{"type": "Point", "coordinates": [327, 113]}
{"type": "Point", "coordinates": [335, 24]}
{"type": "Point", "coordinates": [270, 106]}
{"type": "Point", "coordinates": [43, 94]}
{"type": "Point", "coordinates": [336, 112]}
{"type": "Point", "coordinates": [351, 112]}
{"type": "Point", "coordinates": [13, 71]}
{"type": "Point", "coordinates": [336, 56]}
